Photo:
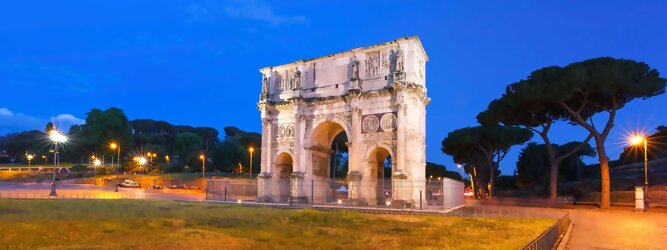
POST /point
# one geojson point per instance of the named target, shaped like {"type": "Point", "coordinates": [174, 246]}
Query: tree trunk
{"type": "Point", "coordinates": [553, 181]}
{"type": "Point", "coordinates": [605, 193]}
{"type": "Point", "coordinates": [553, 169]}
{"type": "Point", "coordinates": [491, 180]}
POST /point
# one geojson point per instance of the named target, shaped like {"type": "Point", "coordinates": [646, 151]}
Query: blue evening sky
{"type": "Point", "coordinates": [196, 62]}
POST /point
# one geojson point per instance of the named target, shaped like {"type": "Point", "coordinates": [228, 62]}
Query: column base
{"type": "Point", "coordinates": [400, 204]}
{"type": "Point", "coordinates": [298, 200]}
{"type": "Point", "coordinates": [356, 202]}
{"type": "Point", "coordinates": [266, 199]}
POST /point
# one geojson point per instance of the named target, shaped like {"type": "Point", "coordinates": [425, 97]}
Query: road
{"type": "Point", "coordinates": [105, 192]}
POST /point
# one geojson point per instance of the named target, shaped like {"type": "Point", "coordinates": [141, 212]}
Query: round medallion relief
{"type": "Point", "coordinates": [289, 131]}
{"type": "Point", "coordinates": [370, 124]}
{"type": "Point", "coordinates": [388, 122]}
{"type": "Point", "coordinates": [281, 131]}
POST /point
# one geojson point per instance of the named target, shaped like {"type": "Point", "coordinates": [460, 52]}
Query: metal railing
{"type": "Point", "coordinates": [549, 239]}
{"type": "Point", "coordinates": [380, 193]}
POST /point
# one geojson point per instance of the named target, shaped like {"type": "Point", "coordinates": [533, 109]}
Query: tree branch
{"type": "Point", "coordinates": [583, 103]}
{"type": "Point", "coordinates": [574, 150]}
{"type": "Point", "coordinates": [610, 120]}
{"type": "Point", "coordinates": [577, 118]}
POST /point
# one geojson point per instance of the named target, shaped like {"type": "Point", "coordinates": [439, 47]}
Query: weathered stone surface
{"type": "Point", "coordinates": [375, 94]}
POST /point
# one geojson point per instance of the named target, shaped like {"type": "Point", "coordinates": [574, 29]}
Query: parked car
{"type": "Point", "coordinates": [155, 186]}
{"type": "Point", "coordinates": [129, 184]}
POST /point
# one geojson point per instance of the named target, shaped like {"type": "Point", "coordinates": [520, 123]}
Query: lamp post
{"type": "Point", "coordinates": [202, 157]}
{"type": "Point", "coordinates": [29, 156]}
{"type": "Point", "coordinates": [114, 146]}
{"type": "Point", "coordinates": [57, 138]}
{"type": "Point", "coordinates": [97, 163]}
{"type": "Point", "coordinates": [251, 150]}
{"type": "Point", "coordinates": [639, 139]}
{"type": "Point", "coordinates": [142, 164]}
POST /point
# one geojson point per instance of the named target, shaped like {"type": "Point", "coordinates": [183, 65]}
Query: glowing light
{"type": "Point", "coordinates": [97, 162]}
{"type": "Point", "coordinates": [201, 157]}
{"type": "Point", "coordinates": [113, 145]}
{"type": "Point", "coordinates": [637, 139]}
{"type": "Point", "coordinates": [340, 202]}
{"type": "Point", "coordinates": [251, 149]}
{"type": "Point", "coordinates": [142, 160]}
{"type": "Point", "coordinates": [238, 201]}
{"type": "Point", "coordinates": [388, 203]}
{"type": "Point", "coordinates": [57, 137]}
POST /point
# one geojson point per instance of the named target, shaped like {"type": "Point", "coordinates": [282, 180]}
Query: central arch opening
{"type": "Point", "coordinates": [329, 162]}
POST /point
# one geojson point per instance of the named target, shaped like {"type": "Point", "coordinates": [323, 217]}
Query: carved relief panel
{"type": "Point", "coordinates": [284, 135]}
{"type": "Point", "coordinates": [372, 64]}
{"type": "Point", "coordinates": [320, 165]}
{"type": "Point", "coordinates": [383, 122]}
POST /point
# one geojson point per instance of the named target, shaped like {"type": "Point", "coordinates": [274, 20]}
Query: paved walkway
{"type": "Point", "coordinates": [618, 228]}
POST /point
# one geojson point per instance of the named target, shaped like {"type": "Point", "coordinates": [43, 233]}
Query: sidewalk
{"type": "Point", "coordinates": [617, 228]}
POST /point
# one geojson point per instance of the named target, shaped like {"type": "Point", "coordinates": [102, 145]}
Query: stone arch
{"type": "Point", "coordinates": [374, 178]}
{"type": "Point", "coordinates": [283, 164]}
{"type": "Point", "coordinates": [373, 147]}
{"type": "Point", "coordinates": [283, 167]}
{"type": "Point", "coordinates": [317, 127]}
{"type": "Point", "coordinates": [319, 140]}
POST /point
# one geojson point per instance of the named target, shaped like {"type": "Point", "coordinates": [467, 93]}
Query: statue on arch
{"type": "Point", "coordinates": [399, 59]}
{"type": "Point", "coordinates": [265, 82]}
{"type": "Point", "coordinates": [355, 68]}
{"type": "Point", "coordinates": [297, 80]}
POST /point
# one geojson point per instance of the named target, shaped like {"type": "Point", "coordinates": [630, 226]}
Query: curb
{"type": "Point", "coordinates": [566, 238]}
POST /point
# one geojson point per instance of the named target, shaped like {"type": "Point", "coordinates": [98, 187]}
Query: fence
{"type": "Point", "coordinates": [549, 238]}
{"type": "Point", "coordinates": [378, 193]}
{"type": "Point", "coordinates": [231, 190]}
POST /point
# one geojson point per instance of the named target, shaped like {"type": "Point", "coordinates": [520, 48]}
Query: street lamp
{"type": "Point", "coordinates": [44, 157]}
{"type": "Point", "coordinates": [251, 150]}
{"type": "Point", "coordinates": [460, 171]}
{"type": "Point", "coordinates": [57, 138]}
{"type": "Point", "coordinates": [29, 156]}
{"type": "Point", "coordinates": [114, 146]}
{"type": "Point", "coordinates": [202, 157]}
{"type": "Point", "coordinates": [142, 164]}
{"type": "Point", "coordinates": [166, 157]}
{"type": "Point", "coordinates": [96, 163]}
{"type": "Point", "coordinates": [638, 140]}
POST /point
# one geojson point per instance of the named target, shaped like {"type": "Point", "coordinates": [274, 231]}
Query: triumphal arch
{"type": "Point", "coordinates": [375, 94]}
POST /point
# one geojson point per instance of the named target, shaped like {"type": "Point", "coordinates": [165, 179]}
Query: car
{"type": "Point", "coordinates": [129, 184]}
{"type": "Point", "coordinates": [155, 186]}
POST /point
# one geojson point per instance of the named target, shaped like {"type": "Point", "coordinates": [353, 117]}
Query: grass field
{"type": "Point", "coordinates": [127, 224]}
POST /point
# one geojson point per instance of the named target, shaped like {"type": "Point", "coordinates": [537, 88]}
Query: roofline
{"type": "Point", "coordinates": [355, 50]}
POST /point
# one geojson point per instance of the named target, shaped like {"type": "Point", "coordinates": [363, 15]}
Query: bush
{"type": "Point", "coordinates": [79, 168]}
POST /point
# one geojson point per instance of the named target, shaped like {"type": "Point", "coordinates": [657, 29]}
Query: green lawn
{"type": "Point", "coordinates": [127, 224]}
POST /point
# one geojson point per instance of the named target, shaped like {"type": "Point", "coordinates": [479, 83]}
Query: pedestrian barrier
{"type": "Point", "coordinates": [549, 239]}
